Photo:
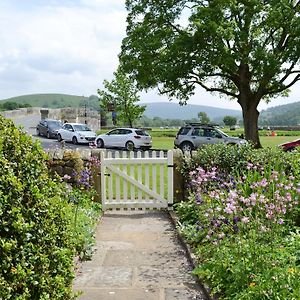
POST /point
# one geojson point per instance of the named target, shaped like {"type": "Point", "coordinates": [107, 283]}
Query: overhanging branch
{"type": "Point", "coordinates": [220, 90]}
{"type": "Point", "coordinates": [285, 87]}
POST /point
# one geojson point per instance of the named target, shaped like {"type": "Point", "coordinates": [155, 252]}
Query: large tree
{"type": "Point", "coordinates": [244, 49]}
{"type": "Point", "coordinates": [122, 94]}
{"type": "Point", "coordinates": [203, 117]}
{"type": "Point", "coordinates": [229, 120]}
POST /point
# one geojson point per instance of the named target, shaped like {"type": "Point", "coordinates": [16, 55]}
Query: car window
{"type": "Point", "coordinates": [54, 123]}
{"type": "Point", "coordinates": [216, 134]}
{"type": "Point", "coordinates": [207, 132]}
{"type": "Point", "coordinates": [68, 127]}
{"type": "Point", "coordinates": [184, 130]}
{"type": "Point", "coordinates": [126, 131]}
{"type": "Point", "coordinates": [81, 127]}
{"type": "Point", "coordinates": [198, 132]}
{"type": "Point", "coordinates": [141, 132]}
{"type": "Point", "coordinates": [113, 132]}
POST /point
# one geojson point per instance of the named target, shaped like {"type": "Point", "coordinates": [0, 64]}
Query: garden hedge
{"type": "Point", "coordinates": [36, 245]}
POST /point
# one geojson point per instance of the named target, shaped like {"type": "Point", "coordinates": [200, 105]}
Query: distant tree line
{"type": "Point", "coordinates": [11, 105]}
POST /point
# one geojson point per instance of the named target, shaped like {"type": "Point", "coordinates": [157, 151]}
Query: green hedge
{"type": "Point", "coordinates": [36, 243]}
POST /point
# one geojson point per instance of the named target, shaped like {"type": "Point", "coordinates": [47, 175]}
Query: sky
{"type": "Point", "coordinates": [70, 47]}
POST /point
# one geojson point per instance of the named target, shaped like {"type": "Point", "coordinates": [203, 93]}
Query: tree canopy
{"type": "Point", "coordinates": [229, 120]}
{"type": "Point", "coordinates": [247, 50]}
{"type": "Point", "coordinates": [122, 94]}
{"type": "Point", "coordinates": [203, 117]}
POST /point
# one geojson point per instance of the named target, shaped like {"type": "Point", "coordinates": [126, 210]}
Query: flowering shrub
{"type": "Point", "coordinates": [242, 223]}
{"type": "Point", "coordinates": [82, 177]}
{"type": "Point", "coordinates": [85, 210]}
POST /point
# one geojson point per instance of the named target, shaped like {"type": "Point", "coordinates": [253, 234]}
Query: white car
{"type": "Point", "coordinates": [76, 133]}
{"type": "Point", "coordinates": [128, 138]}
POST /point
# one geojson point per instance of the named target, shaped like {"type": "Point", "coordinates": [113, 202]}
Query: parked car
{"type": "Point", "coordinates": [195, 135]}
{"type": "Point", "coordinates": [48, 128]}
{"type": "Point", "coordinates": [128, 138]}
{"type": "Point", "coordinates": [76, 133]}
{"type": "Point", "coordinates": [290, 146]}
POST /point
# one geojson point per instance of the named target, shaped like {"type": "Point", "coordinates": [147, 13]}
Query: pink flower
{"type": "Point", "coordinates": [264, 182]}
{"type": "Point", "coordinates": [280, 221]}
{"type": "Point", "coordinates": [245, 220]}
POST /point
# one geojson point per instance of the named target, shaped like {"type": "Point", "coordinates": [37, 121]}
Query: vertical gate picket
{"type": "Point", "coordinates": [139, 176]}
{"type": "Point", "coordinates": [132, 188]}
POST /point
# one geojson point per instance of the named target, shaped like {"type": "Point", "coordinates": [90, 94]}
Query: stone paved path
{"type": "Point", "coordinates": [138, 257]}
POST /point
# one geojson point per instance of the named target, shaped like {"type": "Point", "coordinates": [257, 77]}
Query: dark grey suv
{"type": "Point", "coordinates": [195, 135]}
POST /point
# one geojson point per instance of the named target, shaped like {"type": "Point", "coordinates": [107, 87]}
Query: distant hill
{"type": "Point", "coordinates": [288, 114]}
{"type": "Point", "coordinates": [56, 100]}
{"type": "Point", "coordinates": [165, 110]}
{"type": "Point", "coordinates": [168, 110]}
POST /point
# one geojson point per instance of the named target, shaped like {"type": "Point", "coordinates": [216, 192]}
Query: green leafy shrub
{"type": "Point", "coordinates": [36, 243]}
{"type": "Point", "coordinates": [85, 214]}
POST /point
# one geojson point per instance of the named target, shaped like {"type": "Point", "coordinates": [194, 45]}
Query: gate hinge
{"type": "Point", "coordinates": [106, 174]}
{"type": "Point", "coordinates": [171, 166]}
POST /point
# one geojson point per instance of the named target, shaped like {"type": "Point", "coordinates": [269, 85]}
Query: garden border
{"type": "Point", "coordinates": [190, 255]}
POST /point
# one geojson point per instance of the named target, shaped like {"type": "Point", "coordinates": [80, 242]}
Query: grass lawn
{"type": "Point", "coordinates": [164, 138]}
{"type": "Point", "coordinates": [266, 141]}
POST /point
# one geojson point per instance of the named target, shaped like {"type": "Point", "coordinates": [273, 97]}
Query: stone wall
{"type": "Point", "coordinates": [21, 112]}
{"type": "Point", "coordinates": [69, 114]}
{"type": "Point", "coordinates": [65, 162]}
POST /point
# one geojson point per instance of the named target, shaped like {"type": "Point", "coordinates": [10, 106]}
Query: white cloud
{"type": "Point", "coordinates": [65, 48]}
{"type": "Point", "coordinates": [71, 46]}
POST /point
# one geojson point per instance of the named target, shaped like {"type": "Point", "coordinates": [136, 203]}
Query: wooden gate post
{"type": "Point", "coordinates": [96, 173]}
{"type": "Point", "coordinates": [177, 176]}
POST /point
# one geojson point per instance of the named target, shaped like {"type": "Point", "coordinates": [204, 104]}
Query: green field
{"type": "Point", "coordinates": [266, 141]}
{"type": "Point", "coordinates": [164, 138]}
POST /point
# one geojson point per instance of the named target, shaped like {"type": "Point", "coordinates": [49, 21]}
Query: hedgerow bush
{"type": "Point", "coordinates": [242, 219]}
{"type": "Point", "coordinates": [36, 240]}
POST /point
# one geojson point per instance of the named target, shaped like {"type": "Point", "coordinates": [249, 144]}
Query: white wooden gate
{"type": "Point", "coordinates": [130, 181]}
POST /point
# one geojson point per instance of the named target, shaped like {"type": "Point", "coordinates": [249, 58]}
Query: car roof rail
{"type": "Point", "coordinates": [202, 124]}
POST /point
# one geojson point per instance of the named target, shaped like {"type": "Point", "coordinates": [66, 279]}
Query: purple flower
{"type": "Point", "coordinates": [235, 228]}
{"type": "Point", "coordinates": [280, 221]}
{"type": "Point", "coordinates": [236, 219]}
{"type": "Point", "coordinates": [199, 199]}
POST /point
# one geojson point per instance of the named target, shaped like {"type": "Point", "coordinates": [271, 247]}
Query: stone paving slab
{"type": "Point", "coordinates": [138, 256]}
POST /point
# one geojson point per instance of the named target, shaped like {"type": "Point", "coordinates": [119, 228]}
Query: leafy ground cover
{"type": "Point", "coordinates": [242, 219]}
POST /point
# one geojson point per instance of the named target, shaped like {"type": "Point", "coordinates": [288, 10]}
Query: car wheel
{"type": "Point", "coordinates": [48, 135]}
{"type": "Point", "coordinates": [291, 149]}
{"type": "Point", "coordinates": [74, 140]}
{"type": "Point", "coordinates": [38, 132]}
{"type": "Point", "coordinates": [129, 146]}
{"type": "Point", "coordinates": [59, 138]}
{"type": "Point", "coordinates": [100, 143]}
{"type": "Point", "coordinates": [186, 147]}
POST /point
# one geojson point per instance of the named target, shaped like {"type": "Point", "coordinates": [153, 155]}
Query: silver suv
{"type": "Point", "coordinates": [195, 135]}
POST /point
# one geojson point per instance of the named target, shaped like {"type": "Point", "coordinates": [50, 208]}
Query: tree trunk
{"type": "Point", "coordinates": [249, 102]}
{"type": "Point", "coordinates": [250, 116]}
